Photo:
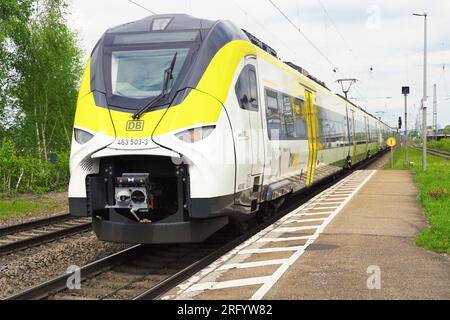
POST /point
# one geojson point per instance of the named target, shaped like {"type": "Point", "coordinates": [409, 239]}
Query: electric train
{"type": "Point", "coordinates": [184, 125]}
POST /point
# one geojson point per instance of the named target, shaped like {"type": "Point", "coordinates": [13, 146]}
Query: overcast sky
{"type": "Point", "coordinates": [352, 36]}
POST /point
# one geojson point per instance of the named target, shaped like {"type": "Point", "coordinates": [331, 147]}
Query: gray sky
{"type": "Point", "coordinates": [353, 35]}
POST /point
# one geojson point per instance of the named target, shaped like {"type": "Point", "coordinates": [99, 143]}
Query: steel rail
{"type": "Point", "coordinates": [58, 284]}
{"type": "Point", "coordinates": [172, 281]}
{"type": "Point", "coordinates": [42, 291]}
{"type": "Point", "coordinates": [435, 152]}
{"type": "Point", "coordinates": [4, 231]}
{"type": "Point", "coordinates": [43, 238]}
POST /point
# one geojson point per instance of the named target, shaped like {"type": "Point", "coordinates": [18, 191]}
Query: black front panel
{"type": "Point", "coordinates": [165, 181]}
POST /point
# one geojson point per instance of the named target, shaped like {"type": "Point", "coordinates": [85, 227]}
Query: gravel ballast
{"type": "Point", "coordinates": [33, 266]}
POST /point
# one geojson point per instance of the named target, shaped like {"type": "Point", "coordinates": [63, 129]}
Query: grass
{"type": "Point", "coordinates": [434, 196]}
{"type": "Point", "coordinates": [443, 144]}
{"type": "Point", "coordinates": [10, 208]}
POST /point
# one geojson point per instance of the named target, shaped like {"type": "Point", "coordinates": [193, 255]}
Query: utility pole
{"type": "Point", "coordinates": [346, 84]}
{"type": "Point", "coordinates": [405, 91]}
{"type": "Point", "coordinates": [380, 114]}
{"type": "Point", "coordinates": [424, 99]}
{"type": "Point", "coordinates": [434, 112]}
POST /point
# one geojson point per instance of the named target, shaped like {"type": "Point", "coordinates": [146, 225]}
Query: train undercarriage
{"type": "Point", "coordinates": [145, 200]}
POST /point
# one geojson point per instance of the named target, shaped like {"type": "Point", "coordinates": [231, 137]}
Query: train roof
{"type": "Point", "coordinates": [164, 22]}
{"type": "Point", "coordinates": [174, 22]}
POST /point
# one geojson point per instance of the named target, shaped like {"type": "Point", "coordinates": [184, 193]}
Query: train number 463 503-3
{"type": "Point", "coordinates": [132, 142]}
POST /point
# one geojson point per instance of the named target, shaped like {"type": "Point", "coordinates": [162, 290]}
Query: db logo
{"type": "Point", "coordinates": [135, 125]}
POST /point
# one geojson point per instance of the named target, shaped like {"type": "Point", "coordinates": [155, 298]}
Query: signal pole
{"type": "Point", "coordinates": [405, 91]}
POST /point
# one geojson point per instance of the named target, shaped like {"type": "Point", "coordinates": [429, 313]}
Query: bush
{"type": "Point", "coordinates": [23, 173]}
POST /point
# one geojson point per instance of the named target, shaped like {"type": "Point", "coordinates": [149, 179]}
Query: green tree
{"type": "Point", "coordinates": [447, 129]}
{"type": "Point", "coordinates": [40, 68]}
{"type": "Point", "coordinates": [50, 68]}
{"type": "Point", "coordinates": [14, 17]}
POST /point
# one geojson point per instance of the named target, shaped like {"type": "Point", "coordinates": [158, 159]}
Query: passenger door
{"type": "Point", "coordinates": [249, 140]}
{"type": "Point", "coordinates": [255, 117]}
{"type": "Point", "coordinates": [313, 135]}
{"type": "Point", "coordinates": [354, 137]}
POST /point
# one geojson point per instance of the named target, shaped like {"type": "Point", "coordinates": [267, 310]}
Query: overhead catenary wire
{"type": "Point", "coordinates": [335, 26]}
{"type": "Point", "coordinates": [335, 68]}
{"type": "Point", "coordinates": [348, 46]}
{"type": "Point", "coordinates": [141, 6]}
{"type": "Point", "coordinates": [303, 34]}
{"type": "Point", "coordinates": [262, 26]}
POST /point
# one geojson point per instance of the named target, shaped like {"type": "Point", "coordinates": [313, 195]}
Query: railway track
{"type": "Point", "coordinates": [145, 272]}
{"type": "Point", "coordinates": [434, 152]}
{"type": "Point", "coordinates": [21, 236]}
{"type": "Point", "coordinates": [139, 272]}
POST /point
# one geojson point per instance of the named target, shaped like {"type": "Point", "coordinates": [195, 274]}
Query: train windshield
{"type": "Point", "coordinates": [139, 74]}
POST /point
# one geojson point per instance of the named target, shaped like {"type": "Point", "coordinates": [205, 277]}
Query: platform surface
{"type": "Point", "coordinates": [376, 228]}
{"type": "Point", "coordinates": [353, 241]}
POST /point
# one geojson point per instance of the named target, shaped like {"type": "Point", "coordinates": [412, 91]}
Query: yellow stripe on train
{"type": "Point", "coordinates": [203, 105]}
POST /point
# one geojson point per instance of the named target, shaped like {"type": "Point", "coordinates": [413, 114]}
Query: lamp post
{"type": "Point", "coordinates": [424, 99]}
{"type": "Point", "coordinates": [405, 92]}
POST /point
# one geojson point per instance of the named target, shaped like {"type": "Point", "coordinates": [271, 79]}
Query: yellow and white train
{"type": "Point", "coordinates": [184, 124]}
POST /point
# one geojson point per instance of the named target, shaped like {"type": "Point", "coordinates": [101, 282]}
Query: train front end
{"type": "Point", "coordinates": [152, 157]}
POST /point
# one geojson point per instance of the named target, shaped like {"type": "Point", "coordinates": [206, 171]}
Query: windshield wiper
{"type": "Point", "coordinates": [168, 76]}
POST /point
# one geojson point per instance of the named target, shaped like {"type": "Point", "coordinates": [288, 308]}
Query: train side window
{"type": "Point", "coordinates": [247, 89]}
{"type": "Point", "coordinates": [295, 125]}
{"type": "Point", "coordinates": [274, 116]}
{"type": "Point", "coordinates": [360, 131]}
{"type": "Point", "coordinates": [332, 131]}
{"type": "Point", "coordinates": [288, 115]}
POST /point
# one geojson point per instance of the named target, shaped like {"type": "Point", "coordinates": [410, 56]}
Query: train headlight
{"type": "Point", "coordinates": [82, 136]}
{"type": "Point", "coordinates": [195, 134]}
{"type": "Point", "coordinates": [123, 197]}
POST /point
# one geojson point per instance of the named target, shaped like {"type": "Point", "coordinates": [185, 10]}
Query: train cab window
{"type": "Point", "coordinates": [253, 87]}
{"type": "Point", "coordinates": [247, 89]}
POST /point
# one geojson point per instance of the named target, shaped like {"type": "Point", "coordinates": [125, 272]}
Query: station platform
{"type": "Point", "coordinates": [352, 241]}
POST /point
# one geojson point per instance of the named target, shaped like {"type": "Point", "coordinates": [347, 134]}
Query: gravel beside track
{"type": "Point", "coordinates": [379, 163]}
{"type": "Point", "coordinates": [36, 265]}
